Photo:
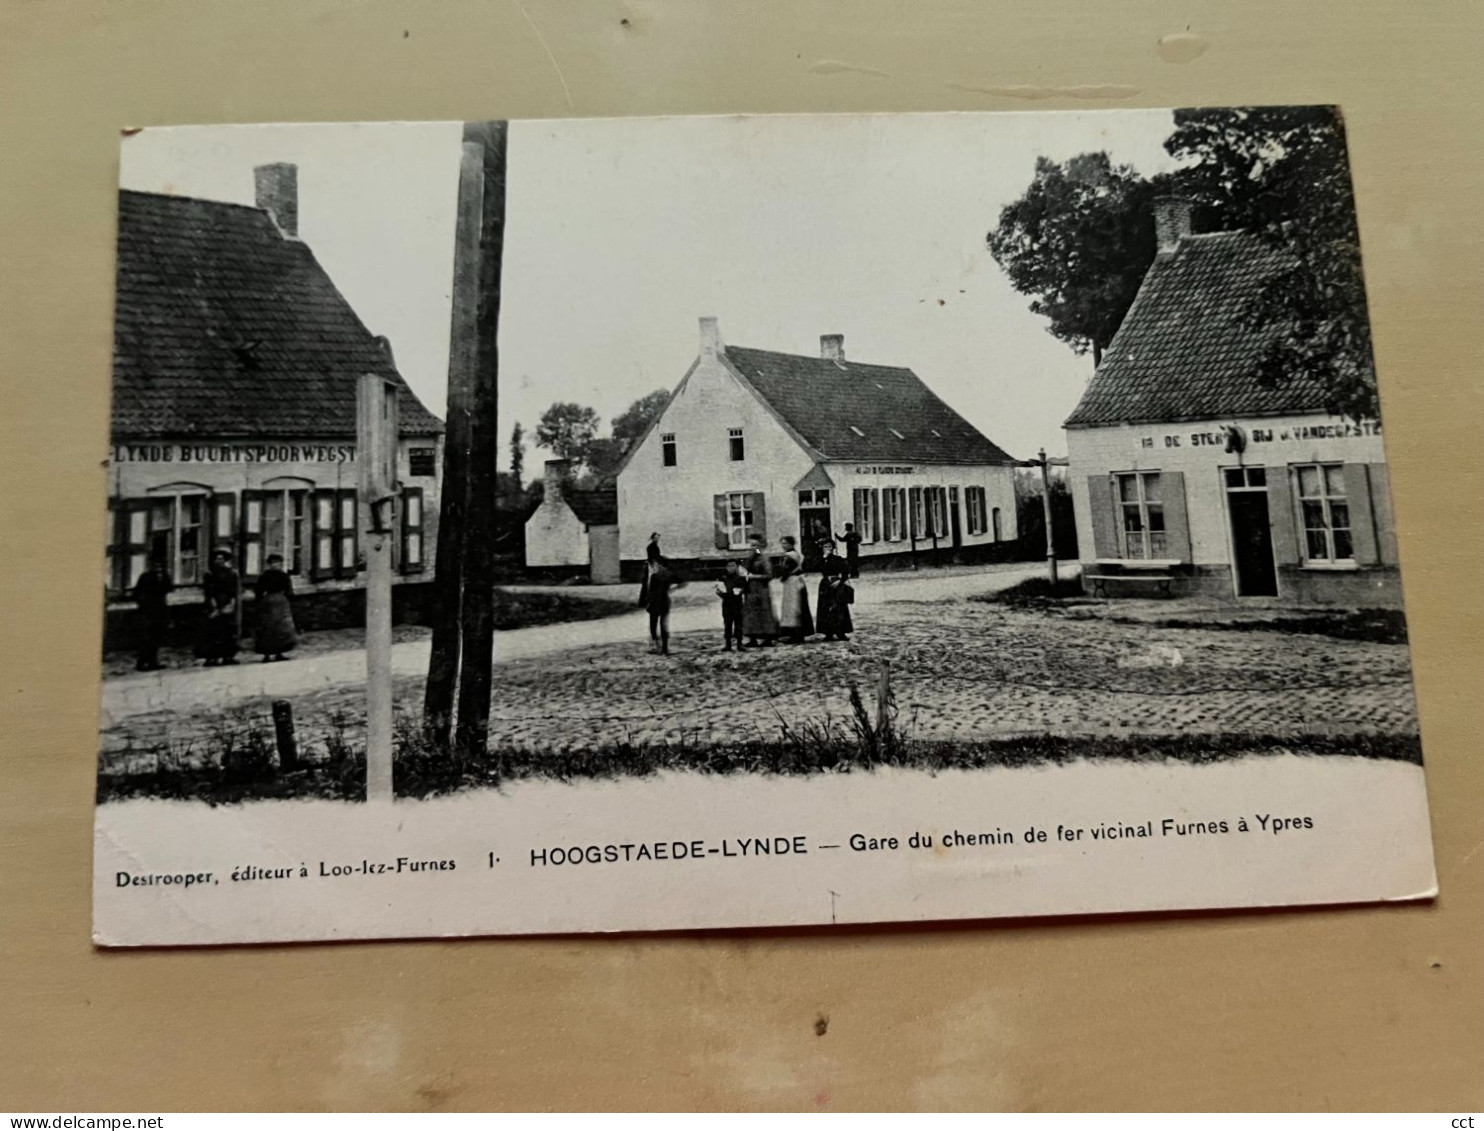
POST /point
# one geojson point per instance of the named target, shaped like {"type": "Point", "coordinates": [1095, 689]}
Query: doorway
{"type": "Point", "coordinates": [1252, 534]}
{"type": "Point", "coordinates": [814, 525]}
{"type": "Point", "coordinates": [953, 519]}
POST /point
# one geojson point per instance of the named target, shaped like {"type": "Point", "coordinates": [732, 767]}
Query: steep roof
{"type": "Point", "coordinates": [1185, 350]}
{"type": "Point", "coordinates": [225, 327]}
{"type": "Point", "coordinates": [846, 410]}
{"type": "Point", "coordinates": [595, 506]}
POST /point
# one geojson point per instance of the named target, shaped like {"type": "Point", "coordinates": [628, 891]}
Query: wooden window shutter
{"type": "Point", "coordinates": [1104, 516]}
{"type": "Point", "coordinates": [1177, 517]}
{"type": "Point", "coordinates": [759, 513]}
{"type": "Point", "coordinates": [1385, 515]}
{"type": "Point", "coordinates": [1281, 518]}
{"type": "Point", "coordinates": [1362, 522]}
{"type": "Point", "coordinates": [412, 530]}
{"type": "Point", "coordinates": [133, 541]}
{"type": "Point", "coordinates": [250, 557]}
{"type": "Point", "coordinates": [722, 522]}
{"type": "Point", "coordinates": [323, 510]}
{"type": "Point", "coordinates": [223, 519]}
{"type": "Point", "coordinates": [347, 516]}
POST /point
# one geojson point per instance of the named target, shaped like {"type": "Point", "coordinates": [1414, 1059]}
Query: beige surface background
{"type": "Point", "coordinates": [1350, 1009]}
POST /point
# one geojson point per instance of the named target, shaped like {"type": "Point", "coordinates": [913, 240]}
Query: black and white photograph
{"type": "Point", "coordinates": [730, 521]}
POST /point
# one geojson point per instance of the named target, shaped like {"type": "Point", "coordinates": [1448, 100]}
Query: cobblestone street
{"type": "Point", "coordinates": [963, 670]}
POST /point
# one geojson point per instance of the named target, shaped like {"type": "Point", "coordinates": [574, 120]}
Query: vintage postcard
{"type": "Point", "coordinates": [647, 524]}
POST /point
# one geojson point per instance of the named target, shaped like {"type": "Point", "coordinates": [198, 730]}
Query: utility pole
{"type": "Point", "coordinates": [1046, 506]}
{"type": "Point", "coordinates": [463, 356]}
{"type": "Point", "coordinates": [376, 457]}
{"type": "Point", "coordinates": [477, 627]}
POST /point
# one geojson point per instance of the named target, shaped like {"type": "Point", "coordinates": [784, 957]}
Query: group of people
{"type": "Point", "coordinates": [274, 635]}
{"type": "Point", "coordinates": [764, 598]}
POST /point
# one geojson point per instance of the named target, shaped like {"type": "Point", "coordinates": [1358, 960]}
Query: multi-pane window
{"type": "Point", "coordinates": [867, 513]}
{"type": "Point", "coordinates": [894, 513]}
{"type": "Point", "coordinates": [739, 519]}
{"type": "Point", "coordinates": [667, 449]}
{"type": "Point", "coordinates": [285, 525]}
{"type": "Point", "coordinates": [819, 497]}
{"type": "Point", "coordinates": [975, 502]}
{"type": "Point", "coordinates": [736, 445]}
{"type": "Point", "coordinates": [1142, 529]}
{"type": "Point", "coordinates": [171, 529]}
{"type": "Point", "coordinates": [1326, 514]}
{"type": "Point", "coordinates": [940, 508]}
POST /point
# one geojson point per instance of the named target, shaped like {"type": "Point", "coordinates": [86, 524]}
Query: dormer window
{"type": "Point", "coordinates": [856, 430]}
{"type": "Point", "coordinates": [667, 449]}
{"type": "Point", "coordinates": [736, 444]}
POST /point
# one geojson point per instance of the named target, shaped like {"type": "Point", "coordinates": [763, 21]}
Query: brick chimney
{"type": "Point", "coordinates": [277, 192]}
{"type": "Point", "coordinates": [710, 337]}
{"type": "Point", "coordinates": [554, 484]}
{"type": "Point", "coordinates": [832, 346]}
{"type": "Point", "coordinates": [1171, 222]}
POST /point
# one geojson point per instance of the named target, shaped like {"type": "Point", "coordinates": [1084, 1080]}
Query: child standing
{"type": "Point", "coordinates": [730, 589]}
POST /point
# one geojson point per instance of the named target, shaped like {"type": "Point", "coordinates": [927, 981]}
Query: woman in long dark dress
{"type": "Point", "coordinates": [834, 595]}
{"type": "Point", "coordinates": [152, 596]}
{"type": "Point", "coordinates": [275, 633]}
{"type": "Point", "coordinates": [222, 589]}
{"type": "Point", "coordinates": [759, 617]}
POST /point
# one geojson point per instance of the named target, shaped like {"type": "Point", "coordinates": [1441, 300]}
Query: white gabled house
{"type": "Point", "coordinates": [575, 529]}
{"type": "Point", "coordinates": [754, 441]}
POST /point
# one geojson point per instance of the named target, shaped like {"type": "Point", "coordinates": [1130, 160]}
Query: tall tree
{"type": "Point", "coordinates": [1078, 242]}
{"type": "Point", "coordinates": [630, 424]}
{"type": "Point", "coordinates": [1283, 173]}
{"type": "Point", "coordinates": [517, 453]}
{"type": "Point", "coordinates": [568, 430]}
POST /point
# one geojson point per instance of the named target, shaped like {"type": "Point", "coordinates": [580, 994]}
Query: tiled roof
{"type": "Point", "coordinates": [849, 411]}
{"type": "Point", "coordinates": [595, 506]}
{"type": "Point", "coordinates": [223, 327]}
{"type": "Point", "coordinates": [1185, 350]}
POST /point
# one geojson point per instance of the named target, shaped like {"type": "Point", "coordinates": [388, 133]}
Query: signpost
{"type": "Point", "coordinates": [376, 439]}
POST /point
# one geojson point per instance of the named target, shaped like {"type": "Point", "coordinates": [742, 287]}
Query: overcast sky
{"type": "Point", "coordinates": [621, 233]}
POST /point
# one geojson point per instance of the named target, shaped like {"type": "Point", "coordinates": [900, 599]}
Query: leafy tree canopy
{"type": "Point", "coordinates": [1081, 238]}
{"type": "Point", "coordinates": [630, 424]}
{"type": "Point", "coordinates": [568, 430]}
{"type": "Point", "coordinates": [1079, 241]}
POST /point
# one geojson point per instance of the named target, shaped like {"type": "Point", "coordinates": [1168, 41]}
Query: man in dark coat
{"type": "Point", "coordinates": [852, 542]}
{"type": "Point", "coordinates": [151, 595]}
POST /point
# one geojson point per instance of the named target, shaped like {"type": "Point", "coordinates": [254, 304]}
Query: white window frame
{"type": "Point", "coordinates": [1141, 504]}
{"type": "Point", "coordinates": [1326, 501]}
{"type": "Point", "coordinates": [894, 513]}
{"type": "Point", "coordinates": [739, 519]}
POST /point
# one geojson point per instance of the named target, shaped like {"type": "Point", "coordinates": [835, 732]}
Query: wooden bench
{"type": "Point", "coordinates": [1100, 581]}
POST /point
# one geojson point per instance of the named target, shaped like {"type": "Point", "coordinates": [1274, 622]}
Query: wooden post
{"type": "Point", "coordinates": [463, 357]}
{"type": "Point", "coordinates": [376, 458]}
{"type": "Point", "coordinates": [1046, 504]}
{"type": "Point", "coordinates": [283, 734]}
{"type": "Point", "coordinates": [476, 671]}
{"type": "Point", "coordinates": [883, 698]}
